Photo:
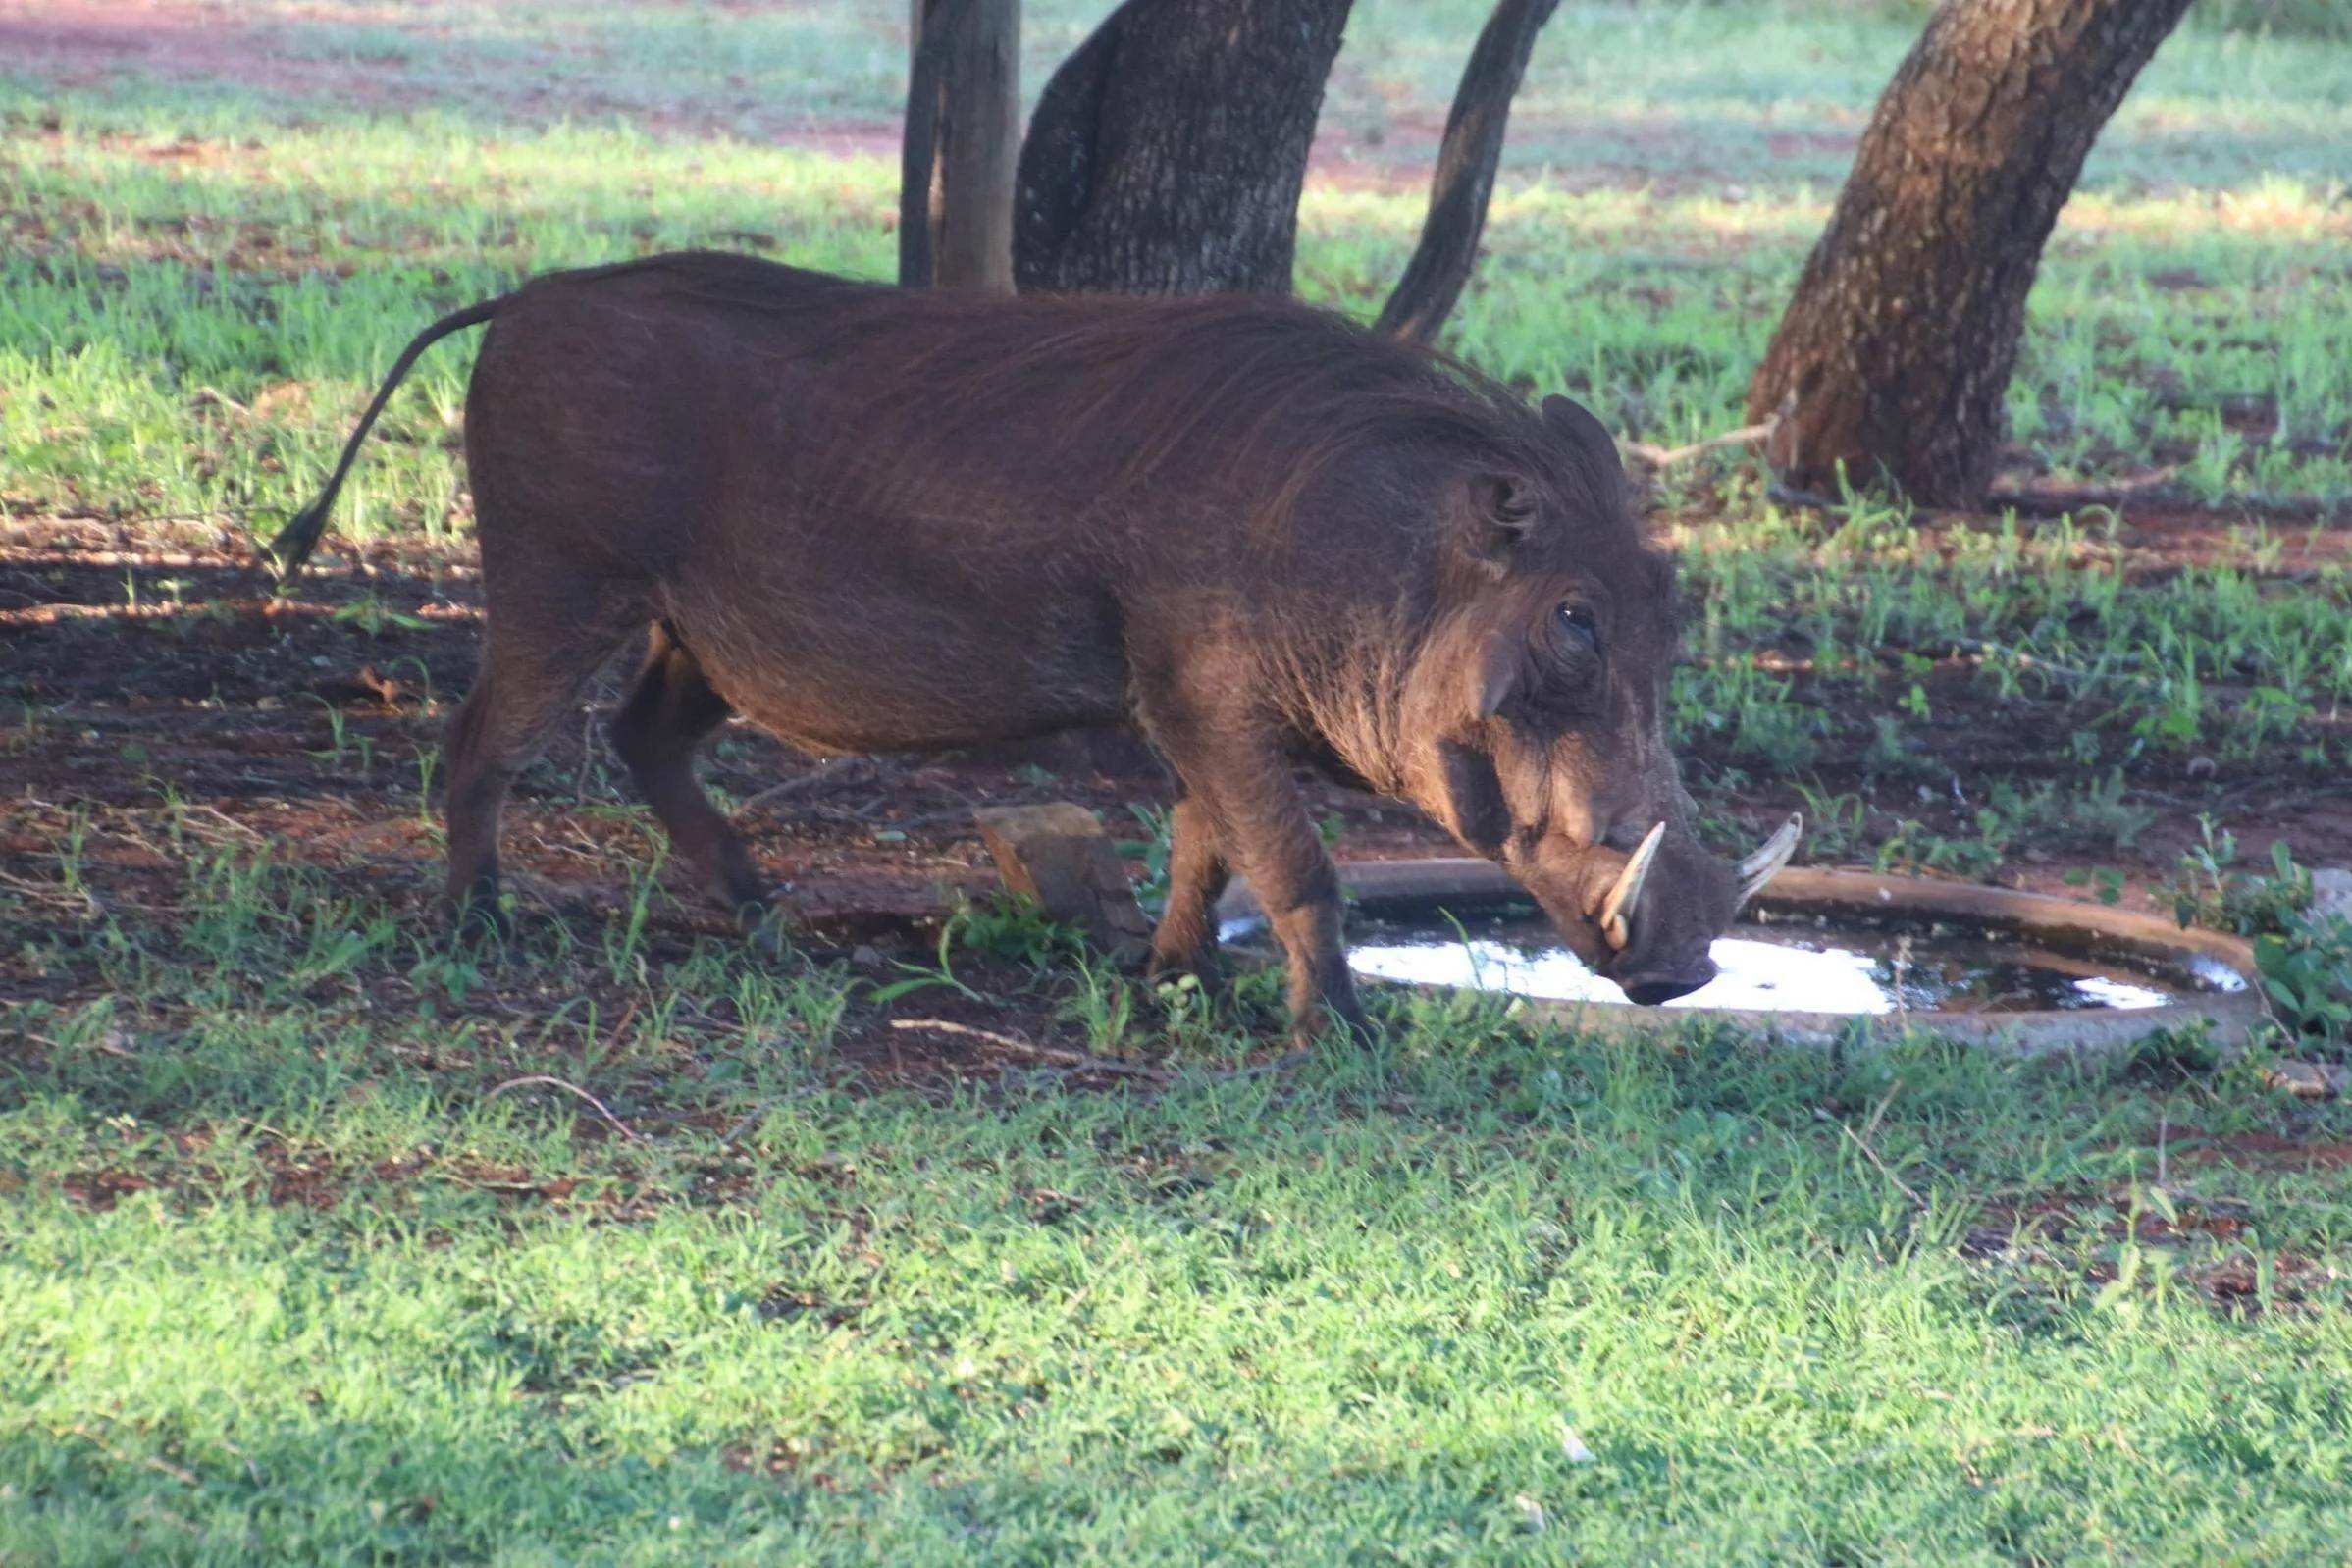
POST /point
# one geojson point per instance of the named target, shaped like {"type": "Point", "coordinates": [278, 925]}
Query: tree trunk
{"type": "Point", "coordinates": [1167, 154]}
{"type": "Point", "coordinates": [963, 135]}
{"type": "Point", "coordinates": [1464, 176]}
{"type": "Point", "coordinates": [1897, 349]}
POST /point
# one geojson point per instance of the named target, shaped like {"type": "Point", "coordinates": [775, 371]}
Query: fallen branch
{"type": "Point", "coordinates": [1789, 496]}
{"type": "Point", "coordinates": [2160, 483]}
{"type": "Point", "coordinates": [1276, 1064]}
{"type": "Point", "coordinates": [754, 1115]}
{"type": "Point", "coordinates": [1957, 649]}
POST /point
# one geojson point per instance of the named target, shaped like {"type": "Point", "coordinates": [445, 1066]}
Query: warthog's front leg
{"type": "Point", "coordinates": [1185, 940]}
{"type": "Point", "coordinates": [1242, 782]}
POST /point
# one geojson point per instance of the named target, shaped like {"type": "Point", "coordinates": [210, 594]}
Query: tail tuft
{"type": "Point", "coordinates": [285, 555]}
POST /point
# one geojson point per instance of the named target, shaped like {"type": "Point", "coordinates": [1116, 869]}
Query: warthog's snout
{"type": "Point", "coordinates": [1662, 911]}
{"type": "Point", "coordinates": [1655, 990]}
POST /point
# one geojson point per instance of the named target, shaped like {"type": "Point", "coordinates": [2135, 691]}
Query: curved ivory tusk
{"type": "Point", "coordinates": [1616, 909]}
{"type": "Point", "coordinates": [1766, 862]}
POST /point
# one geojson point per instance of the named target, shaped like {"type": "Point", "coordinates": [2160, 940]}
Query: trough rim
{"type": "Point", "coordinates": [2231, 1015]}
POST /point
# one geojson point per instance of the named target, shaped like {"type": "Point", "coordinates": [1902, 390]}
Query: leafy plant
{"type": "Point", "coordinates": [2304, 956]}
{"type": "Point", "coordinates": [1015, 927]}
{"type": "Point", "coordinates": [1913, 846]}
{"type": "Point", "coordinates": [374, 618]}
{"type": "Point", "coordinates": [2209, 889]}
{"type": "Point", "coordinates": [2307, 971]}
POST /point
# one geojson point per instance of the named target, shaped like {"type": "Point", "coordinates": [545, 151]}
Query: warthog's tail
{"type": "Point", "coordinates": [295, 542]}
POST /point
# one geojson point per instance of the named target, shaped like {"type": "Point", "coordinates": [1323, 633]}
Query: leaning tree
{"type": "Point", "coordinates": [1894, 355]}
{"type": "Point", "coordinates": [1167, 154]}
{"type": "Point", "coordinates": [1465, 174]}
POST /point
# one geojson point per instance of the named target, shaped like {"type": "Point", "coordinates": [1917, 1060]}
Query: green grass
{"type": "Point", "coordinates": [281, 1279]}
{"type": "Point", "coordinates": [2209, 659]}
{"type": "Point", "coordinates": [293, 1270]}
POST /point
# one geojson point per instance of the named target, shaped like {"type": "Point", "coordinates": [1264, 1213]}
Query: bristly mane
{"type": "Point", "coordinates": [1161, 392]}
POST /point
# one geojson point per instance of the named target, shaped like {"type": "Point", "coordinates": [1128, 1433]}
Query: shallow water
{"type": "Point", "coordinates": [1795, 965]}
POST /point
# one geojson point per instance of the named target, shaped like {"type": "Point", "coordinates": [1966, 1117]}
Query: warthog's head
{"type": "Point", "coordinates": [1537, 718]}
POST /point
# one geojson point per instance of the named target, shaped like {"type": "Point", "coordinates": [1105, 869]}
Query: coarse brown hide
{"type": "Point", "coordinates": [883, 520]}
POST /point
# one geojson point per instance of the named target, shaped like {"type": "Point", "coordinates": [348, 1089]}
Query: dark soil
{"type": "Point", "coordinates": [134, 669]}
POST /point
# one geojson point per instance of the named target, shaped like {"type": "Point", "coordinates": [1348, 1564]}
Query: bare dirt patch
{"type": "Point", "coordinates": [94, 43]}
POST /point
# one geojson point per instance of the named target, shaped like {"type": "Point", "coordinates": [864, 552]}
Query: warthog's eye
{"type": "Point", "coordinates": [1577, 622]}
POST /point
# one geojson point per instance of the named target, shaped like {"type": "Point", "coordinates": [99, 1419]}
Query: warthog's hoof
{"type": "Point", "coordinates": [1205, 967]}
{"type": "Point", "coordinates": [1339, 1018]}
{"type": "Point", "coordinates": [765, 928]}
{"type": "Point", "coordinates": [479, 914]}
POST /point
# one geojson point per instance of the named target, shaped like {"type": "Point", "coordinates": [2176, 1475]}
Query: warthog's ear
{"type": "Point", "coordinates": [1474, 804]}
{"type": "Point", "coordinates": [1576, 425]}
{"type": "Point", "coordinates": [1501, 509]}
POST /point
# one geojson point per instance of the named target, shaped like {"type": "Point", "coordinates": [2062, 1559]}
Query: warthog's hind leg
{"type": "Point", "coordinates": [531, 673]}
{"type": "Point", "coordinates": [669, 716]}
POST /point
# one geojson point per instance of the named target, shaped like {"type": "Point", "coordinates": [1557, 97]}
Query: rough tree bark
{"type": "Point", "coordinates": [1465, 176]}
{"type": "Point", "coordinates": [961, 139]}
{"type": "Point", "coordinates": [1167, 154]}
{"type": "Point", "coordinates": [1897, 349]}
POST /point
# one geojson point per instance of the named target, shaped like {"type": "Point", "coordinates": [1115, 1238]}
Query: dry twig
{"type": "Point", "coordinates": [823, 774]}
{"type": "Point", "coordinates": [186, 1478]}
{"type": "Point", "coordinates": [1668, 456]}
{"type": "Point", "coordinates": [1081, 1060]}
{"type": "Point", "coordinates": [1657, 457]}
{"type": "Point", "coordinates": [1861, 1141]}
{"type": "Point", "coordinates": [1055, 1054]}
{"type": "Point", "coordinates": [542, 1080]}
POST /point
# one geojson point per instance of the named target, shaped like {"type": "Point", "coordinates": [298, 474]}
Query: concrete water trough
{"type": "Point", "coordinates": [1819, 957]}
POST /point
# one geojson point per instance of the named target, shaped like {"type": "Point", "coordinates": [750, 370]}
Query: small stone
{"type": "Point", "coordinates": [1572, 1444]}
{"type": "Point", "coordinates": [2332, 893]}
{"type": "Point", "coordinates": [1059, 855]}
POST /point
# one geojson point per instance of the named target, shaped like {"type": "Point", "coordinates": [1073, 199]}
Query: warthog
{"type": "Point", "coordinates": [873, 519]}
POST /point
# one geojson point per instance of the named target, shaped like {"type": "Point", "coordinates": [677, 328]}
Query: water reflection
{"type": "Point", "coordinates": [2107, 992]}
{"type": "Point", "coordinates": [1773, 971]}
{"type": "Point", "coordinates": [1753, 974]}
